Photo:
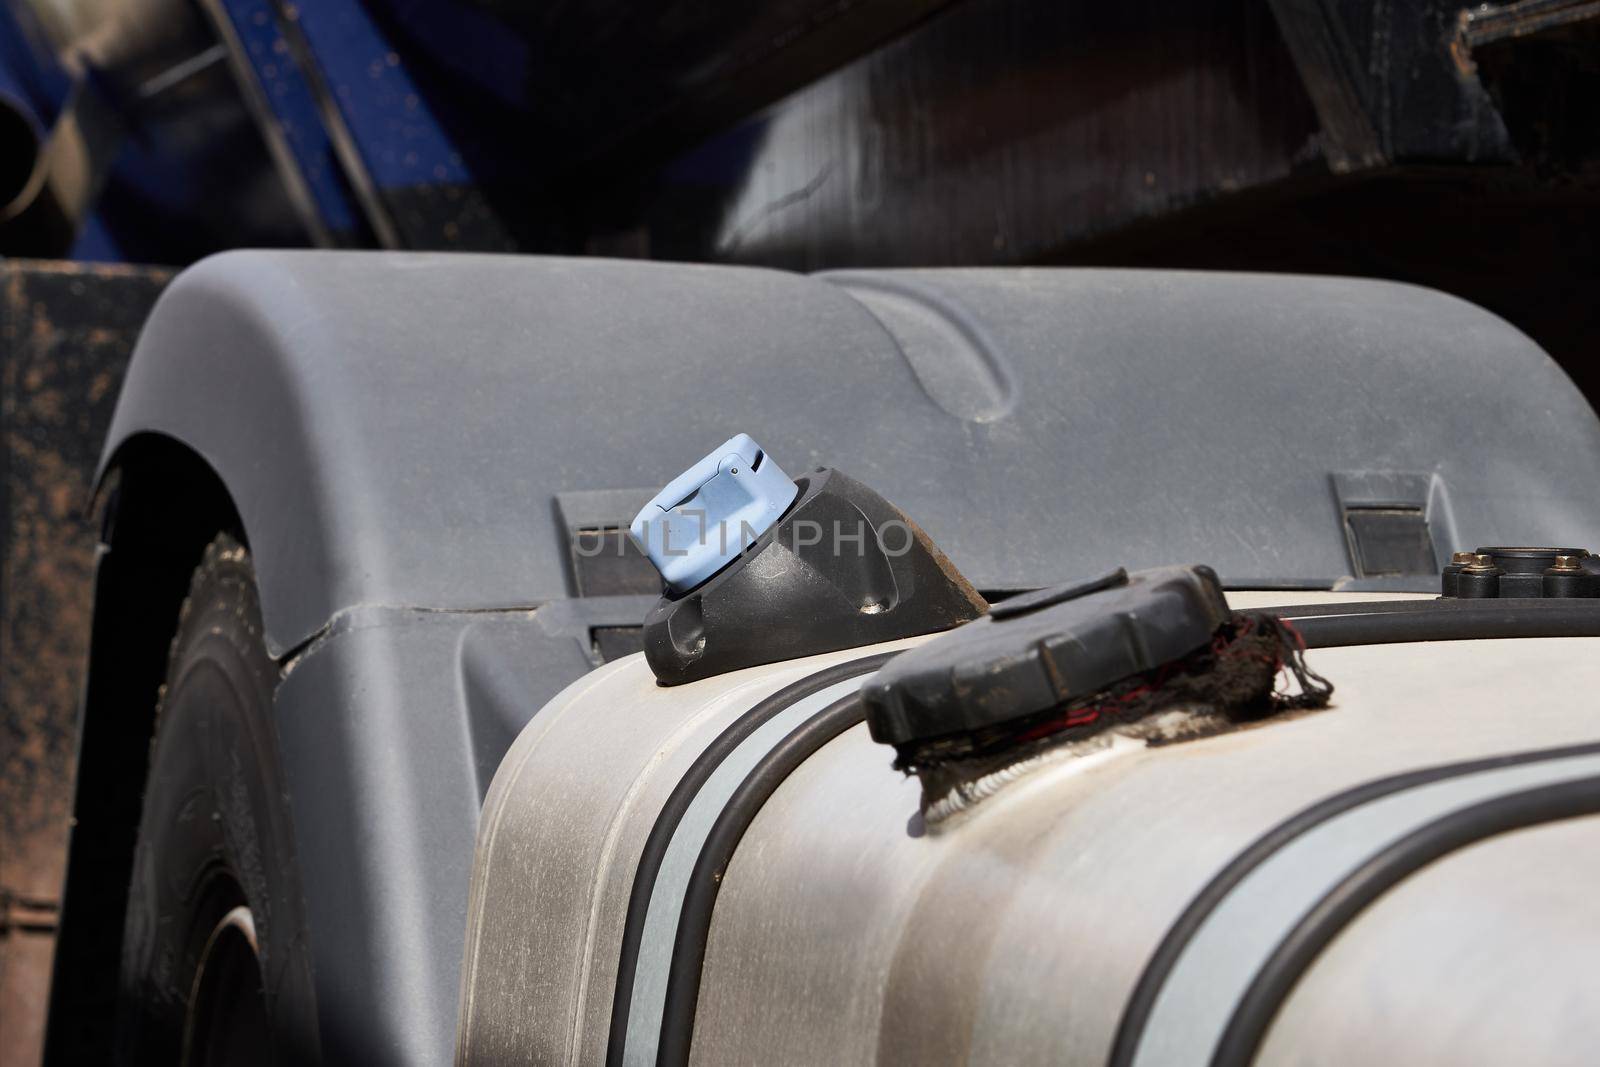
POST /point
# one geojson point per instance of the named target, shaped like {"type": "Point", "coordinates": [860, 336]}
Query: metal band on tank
{"type": "Point", "coordinates": [1300, 946]}
{"type": "Point", "coordinates": [1210, 958]}
{"type": "Point", "coordinates": [674, 844]}
{"type": "Point", "coordinates": [694, 924]}
{"type": "Point", "coordinates": [1400, 621]}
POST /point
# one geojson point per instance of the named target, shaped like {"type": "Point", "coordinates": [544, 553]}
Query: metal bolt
{"type": "Point", "coordinates": [1567, 565]}
{"type": "Point", "coordinates": [1461, 559]}
{"type": "Point", "coordinates": [1479, 563]}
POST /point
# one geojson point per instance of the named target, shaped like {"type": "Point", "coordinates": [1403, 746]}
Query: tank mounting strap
{"type": "Point", "coordinates": [660, 881]}
{"type": "Point", "coordinates": [1209, 958]}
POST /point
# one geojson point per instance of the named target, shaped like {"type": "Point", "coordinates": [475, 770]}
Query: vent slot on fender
{"type": "Point", "coordinates": [1389, 541]}
{"type": "Point", "coordinates": [1397, 524]}
{"type": "Point", "coordinates": [602, 558]}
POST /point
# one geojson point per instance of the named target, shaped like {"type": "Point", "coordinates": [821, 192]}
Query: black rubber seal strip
{"type": "Point", "coordinates": [1393, 621]}
{"type": "Point", "coordinates": [1134, 1017]}
{"type": "Point", "coordinates": [694, 924]}
{"type": "Point", "coordinates": [1300, 947]}
{"type": "Point", "coordinates": [683, 794]}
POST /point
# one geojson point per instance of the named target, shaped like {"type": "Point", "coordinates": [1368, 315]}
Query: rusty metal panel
{"type": "Point", "coordinates": [66, 332]}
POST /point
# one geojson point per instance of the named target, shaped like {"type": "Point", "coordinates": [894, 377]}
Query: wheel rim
{"type": "Point", "coordinates": [227, 1018]}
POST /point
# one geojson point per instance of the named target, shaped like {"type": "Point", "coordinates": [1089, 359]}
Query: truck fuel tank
{"type": "Point", "coordinates": [730, 870]}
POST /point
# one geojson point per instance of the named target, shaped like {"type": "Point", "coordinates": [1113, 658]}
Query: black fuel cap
{"type": "Point", "coordinates": [1034, 652]}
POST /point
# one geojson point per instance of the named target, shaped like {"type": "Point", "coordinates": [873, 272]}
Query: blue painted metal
{"type": "Point", "coordinates": [290, 96]}
{"type": "Point", "coordinates": [711, 512]}
{"type": "Point", "coordinates": [389, 116]}
{"type": "Point", "coordinates": [429, 124]}
{"type": "Point", "coordinates": [464, 43]}
{"type": "Point", "coordinates": [379, 130]}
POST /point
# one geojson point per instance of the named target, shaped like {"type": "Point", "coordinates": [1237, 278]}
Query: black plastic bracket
{"type": "Point", "coordinates": [842, 568]}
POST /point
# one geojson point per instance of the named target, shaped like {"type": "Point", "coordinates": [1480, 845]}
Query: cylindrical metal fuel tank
{"type": "Point", "coordinates": [730, 871]}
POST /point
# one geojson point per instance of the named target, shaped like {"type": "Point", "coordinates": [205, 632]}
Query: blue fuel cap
{"type": "Point", "coordinates": [711, 512]}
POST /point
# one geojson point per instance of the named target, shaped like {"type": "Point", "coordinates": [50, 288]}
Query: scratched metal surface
{"type": "Point", "coordinates": [66, 331]}
{"type": "Point", "coordinates": [1356, 137]}
{"type": "Point", "coordinates": [994, 131]}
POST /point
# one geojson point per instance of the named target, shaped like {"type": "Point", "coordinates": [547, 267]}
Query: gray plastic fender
{"type": "Point", "coordinates": [394, 427]}
{"type": "Point", "coordinates": [394, 430]}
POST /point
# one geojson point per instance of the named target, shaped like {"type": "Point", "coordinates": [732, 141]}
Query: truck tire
{"type": "Point", "coordinates": [215, 963]}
